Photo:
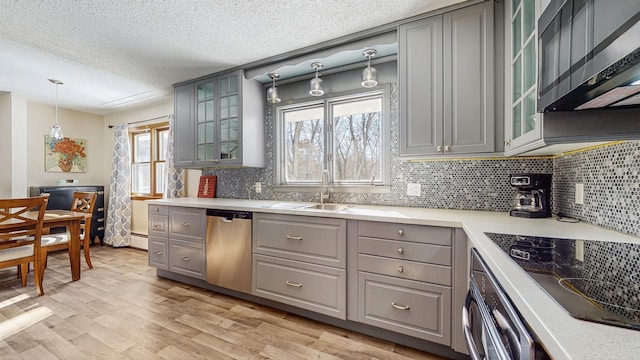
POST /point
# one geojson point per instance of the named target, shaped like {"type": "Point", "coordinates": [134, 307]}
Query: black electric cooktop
{"type": "Point", "coordinates": [593, 280]}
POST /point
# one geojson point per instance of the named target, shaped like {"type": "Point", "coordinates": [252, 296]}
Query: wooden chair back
{"type": "Point", "coordinates": [20, 233]}
{"type": "Point", "coordinates": [84, 202]}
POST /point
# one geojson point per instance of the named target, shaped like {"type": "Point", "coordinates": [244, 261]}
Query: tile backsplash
{"type": "Point", "coordinates": [610, 176]}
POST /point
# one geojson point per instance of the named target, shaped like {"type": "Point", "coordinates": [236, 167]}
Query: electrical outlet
{"type": "Point", "coordinates": [413, 189]}
{"type": "Point", "coordinates": [580, 194]}
{"type": "Point", "coordinates": [580, 250]}
{"type": "Point", "coordinates": [258, 187]}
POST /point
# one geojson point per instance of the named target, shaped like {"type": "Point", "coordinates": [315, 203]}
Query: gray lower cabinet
{"type": "Point", "coordinates": [177, 240]}
{"type": "Point", "coordinates": [446, 86]}
{"type": "Point", "coordinates": [301, 261]}
{"type": "Point", "coordinates": [414, 308]}
{"type": "Point", "coordinates": [404, 279]}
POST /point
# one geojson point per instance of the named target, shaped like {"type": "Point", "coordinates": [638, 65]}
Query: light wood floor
{"type": "Point", "coordinates": [121, 310]}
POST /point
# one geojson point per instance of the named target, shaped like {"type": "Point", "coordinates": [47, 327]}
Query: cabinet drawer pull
{"type": "Point", "coordinates": [157, 226]}
{"type": "Point", "coordinates": [100, 220]}
{"type": "Point", "coordinates": [400, 269]}
{"type": "Point", "coordinates": [158, 252]}
{"type": "Point", "coordinates": [400, 251]}
{"type": "Point", "coordinates": [399, 307]}
{"type": "Point", "coordinates": [289, 237]}
{"type": "Point", "coordinates": [289, 283]}
{"type": "Point", "coordinates": [400, 232]}
{"type": "Point", "coordinates": [186, 258]}
{"type": "Point", "coordinates": [100, 192]}
{"type": "Point", "coordinates": [101, 228]}
{"type": "Point", "coordinates": [157, 209]}
{"type": "Point", "coordinates": [186, 224]}
{"type": "Point", "coordinates": [101, 209]}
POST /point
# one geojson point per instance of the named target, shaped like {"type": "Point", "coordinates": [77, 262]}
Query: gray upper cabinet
{"type": "Point", "coordinates": [446, 85]}
{"type": "Point", "coordinates": [221, 123]}
{"type": "Point", "coordinates": [184, 151]}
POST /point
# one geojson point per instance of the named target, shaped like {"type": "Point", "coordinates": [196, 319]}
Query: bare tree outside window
{"type": "Point", "coordinates": [357, 141]}
{"type": "Point", "coordinates": [304, 144]}
{"type": "Point", "coordinates": [344, 135]}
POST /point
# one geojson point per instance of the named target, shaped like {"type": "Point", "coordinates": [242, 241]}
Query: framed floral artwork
{"type": "Point", "coordinates": [66, 155]}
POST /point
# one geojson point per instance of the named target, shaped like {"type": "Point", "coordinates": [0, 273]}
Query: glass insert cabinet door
{"type": "Point", "coordinates": [205, 121]}
{"type": "Point", "coordinates": [524, 126]}
{"type": "Point", "coordinates": [229, 118]}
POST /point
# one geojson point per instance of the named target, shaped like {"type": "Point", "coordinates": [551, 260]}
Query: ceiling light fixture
{"type": "Point", "coordinates": [315, 88]}
{"type": "Point", "coordinates": [272, 94]}
{"type": "Point", "coordinates": [56, 130]}
{"type": "Point", "coordinates": [369, 74]}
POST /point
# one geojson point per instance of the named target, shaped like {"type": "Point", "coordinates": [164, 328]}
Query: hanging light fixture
{"type": "Point", "coordinates": [315, 88]}
{"type": "Point", "coordinates": [56, 130]}
{"type": "Point", "coordinates": [369, 74]}
{"type": "Point", "coordinates": [272, 94]}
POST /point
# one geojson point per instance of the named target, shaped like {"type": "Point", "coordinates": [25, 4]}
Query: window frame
{"type": "Point", "coordinates": [155, 156]}
{"type": "Point", "coordinates": [377, 186]}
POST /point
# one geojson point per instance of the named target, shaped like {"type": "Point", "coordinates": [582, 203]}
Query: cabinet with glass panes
{"type": "Point", "coordinates": [227, 117]}
{"type": "Point", "coordinates": [523, 125]}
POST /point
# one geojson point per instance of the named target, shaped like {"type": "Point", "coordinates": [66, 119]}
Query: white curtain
{"type": "Point", "coordinates": [118, 225]}
{"type": "Point", "coordinates": [174, 181]}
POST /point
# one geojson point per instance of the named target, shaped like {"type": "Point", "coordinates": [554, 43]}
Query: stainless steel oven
{"type": "Point", "coordinates": [493, 329]}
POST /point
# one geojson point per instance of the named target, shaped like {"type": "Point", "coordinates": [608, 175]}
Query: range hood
{"type": "Point", "coordinates": [589, 55]}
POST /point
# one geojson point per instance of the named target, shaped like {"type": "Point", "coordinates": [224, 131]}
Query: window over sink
{"type": "Point", "coordinates": [344, 134]}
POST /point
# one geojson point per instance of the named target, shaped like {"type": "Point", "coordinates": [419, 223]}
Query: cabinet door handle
{"type": "Point", "coordinates": [101, 209]}
{"type": "Point", "coordinates": [186, 224]}
{"type": "Point", "coordinates": [289, 237]}
{"type": "Point", "coordinates": [439, 148]}
{"type": "Point", "coordinates": [158, 252]}
{"type": "Point", "coordinates": [400, 232]}
{"type": "Point", "coordinates": [157, 226]}
{"type": "Point", "coordinates": [298, 285]}
{"type": "Point", "coordinates": [447, 148]}
{"type": "Point", "coordinates": [157, 209]}
{"type": "Point", "coordinates": [399, 307]}
{"type": "Point", "coordinates": [186, 258]}
{"type": "Point", "coordinates": [100, 192]}
{"type": "Point", "coordinates": [400, 269]}
{"type": "Point", "coordinates": [400, 250]}
{"type": "Point", "coordinates": [101, 228]}
{"type": "Point", "coordinates": [100, 220]}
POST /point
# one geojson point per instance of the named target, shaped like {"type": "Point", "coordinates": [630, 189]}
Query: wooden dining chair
{"type": "Point", "coordinates": [20, 236]}
{"type": "Point", "coordinates": [82, 202]}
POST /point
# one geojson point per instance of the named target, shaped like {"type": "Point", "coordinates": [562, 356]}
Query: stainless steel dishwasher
{"type": "Point", "coordinates": [229, 249]}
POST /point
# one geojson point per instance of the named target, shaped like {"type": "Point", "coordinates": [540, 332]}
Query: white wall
{"type": "Point", "coordinates": [74, 124]}
{"type": "Point", "coordinates": [5, 146]}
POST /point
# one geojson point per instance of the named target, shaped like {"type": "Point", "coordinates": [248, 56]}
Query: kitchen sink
{"type": "Point", "coordinates": [327, 207]}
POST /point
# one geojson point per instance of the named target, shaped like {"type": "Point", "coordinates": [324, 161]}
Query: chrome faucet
{"type": "Point", "coordinates": [324, 189]}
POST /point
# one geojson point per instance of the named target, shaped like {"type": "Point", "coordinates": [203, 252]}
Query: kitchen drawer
{"type": "Point", "coordinates": [158, 210]}
{"type": "Point", "coordinates": [315, 240]}
{"type": "Point", "coordinates": [187, 258]}
{"type": "Point", "coordinates": [416, 233]}
{"type": "Point", "coordinates": [405, 250]}
{"type": "Point", "coordinates": [188, 224]}
{"type": "Point", "coordinates": [436, 274]}
{"type": "Point", "coordinates": [317, 288]}
{"type": "Point", "coordinates": [158, 252]}
{"type": "Point", "coordinates": [158, 225]}
{"type": "Point", "coordinates": [408, 307]}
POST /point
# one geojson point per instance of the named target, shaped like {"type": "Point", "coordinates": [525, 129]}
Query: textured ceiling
{"type": "Point", "coordinates": [117, 54]}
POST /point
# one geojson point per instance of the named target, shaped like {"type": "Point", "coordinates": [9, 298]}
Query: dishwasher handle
{"type": "Point", "coordinates": [229, 215]}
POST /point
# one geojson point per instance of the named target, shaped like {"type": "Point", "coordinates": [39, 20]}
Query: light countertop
{"type": "Point", "coordinates": [564, 336]}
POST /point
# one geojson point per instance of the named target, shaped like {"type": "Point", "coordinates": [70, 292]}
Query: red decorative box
{"type": "Point", "coordinates": [207, 187]}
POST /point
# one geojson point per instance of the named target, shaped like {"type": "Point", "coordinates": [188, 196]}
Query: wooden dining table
{"type": "Point", "coordinates": [72, 221]}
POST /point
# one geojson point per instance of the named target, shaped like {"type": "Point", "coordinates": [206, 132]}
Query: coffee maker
{"type": "Point", "coordinates": [533, 199]}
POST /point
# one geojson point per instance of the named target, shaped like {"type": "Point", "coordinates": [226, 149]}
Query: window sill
{"type": "Point", "coordinates": [145, 197]}
{"type": "Point", "coordinates": [366, 189]}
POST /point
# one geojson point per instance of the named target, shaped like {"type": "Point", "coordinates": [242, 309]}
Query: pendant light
{"type": "Point", "coordinates": [272, 94]}
{"type": "Point", "coordinates": [315, 88]}
{"type": "Point", "coordinates": [56, 130]}
{"type": "Point", "coordinates": [369, 74]}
